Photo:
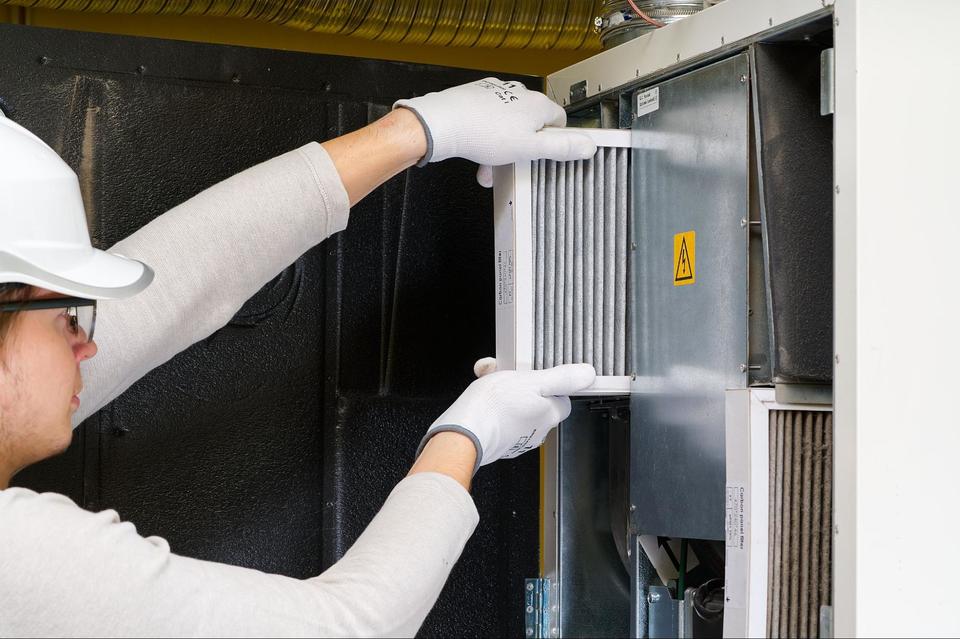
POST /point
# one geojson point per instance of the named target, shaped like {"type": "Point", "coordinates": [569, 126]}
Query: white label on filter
{"type": "Point", "coordinates": [505, 277]}
{"type": "Point", "coordinates": [736, 517]}
{"type": "Point", "coordinates": [648, 101]}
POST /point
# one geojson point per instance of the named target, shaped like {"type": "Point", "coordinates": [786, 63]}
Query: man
{"type": "Point", "coordinates": [65, 571]}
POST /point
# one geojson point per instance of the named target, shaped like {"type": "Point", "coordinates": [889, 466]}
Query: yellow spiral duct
{"type": "Point", "coordinates": [513, 24]}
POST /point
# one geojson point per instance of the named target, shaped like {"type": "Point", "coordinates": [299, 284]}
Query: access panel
{"type": "Point", "coordinates": [690, 196]}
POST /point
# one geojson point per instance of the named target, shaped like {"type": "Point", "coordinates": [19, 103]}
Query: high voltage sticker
{"type": "Point", "coordinates": [684, 258]}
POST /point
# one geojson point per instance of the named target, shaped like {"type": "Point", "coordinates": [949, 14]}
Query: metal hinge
{"type": "Point", "coordinates": [540, 607]}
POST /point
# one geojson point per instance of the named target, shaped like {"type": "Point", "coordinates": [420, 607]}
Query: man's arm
{"type": "Point", "coordinates": [213, 252]}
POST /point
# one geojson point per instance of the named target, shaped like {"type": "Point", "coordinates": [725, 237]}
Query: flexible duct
{"type": "Point", "coordinates": [517, 24]}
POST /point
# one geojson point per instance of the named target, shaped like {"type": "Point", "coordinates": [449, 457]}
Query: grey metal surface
{"type": "Point", "coordinates": [643, 577]}
{"type": "Point", "coordinates": [663, 613]}
{"type": "Point", "coordinates": [594, 586]}
{"type": "Point", "coordinates": [690, 173]}
{"type": "Point", "coordinates": [581, 237]}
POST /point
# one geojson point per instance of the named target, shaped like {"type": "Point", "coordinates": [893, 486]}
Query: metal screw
{"type": "Point", "coordinates": [678, 57]}
{"type": "Point", "coordinates": [530, 587]}
{"type": "Point", "coordinates": [529, 610]}
{"type": "Point", "coordinates": [554, 632]}
{"type": "Point", "coordinates": [654, 597]}
{"type": "Point", "coordinates": [771, 22]}
{"type": "Point", "coordinates": [141, 69]}
{"type": "Point", "coordinates": [43, 60]}
{"type": "Point", "coordinates": [633, 246]}
{"type": "Point", "coordinates": [598, 22]}
{"type": "Point", "coordinates": [837, 189]}
{"type": "Point", "coordinates": [836, 22]}
{"type": "Point", "coordinates": [529, 632]}
{"type": "Point", "coordinates": [629, 552]}
{"type": "Point", "coordinates": [743, 79]}
{"type": "Point", "coordinates": [743, 222]}
{"type": "Point", "coordinates": [722, 40]}
{"type": "Point", "coordinates": [599, 88]}
{"type": "Point", "coordinates": [633, 507]}
{"type": "Point", "coordinates": [236, 78]}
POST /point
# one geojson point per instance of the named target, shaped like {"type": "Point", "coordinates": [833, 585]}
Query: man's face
{"type": "Point", "coordinates": [39, 385]}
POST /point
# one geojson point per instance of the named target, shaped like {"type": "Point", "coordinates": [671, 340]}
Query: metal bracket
{"type": "Point", "coordinates": [827, 86]}
{"type": "Point", "coordinates": [539, 603]}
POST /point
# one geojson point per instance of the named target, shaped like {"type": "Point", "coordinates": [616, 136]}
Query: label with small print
{"type": "Point", "coordinates": [647, 101]}
{"type": "Point", "coordinates": [736, 517]}
{"type": "Point", "coordinates": [505, 277]}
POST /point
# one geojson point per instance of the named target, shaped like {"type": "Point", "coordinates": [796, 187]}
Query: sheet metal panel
{"type": "Point", "coordinates": [691, 159]}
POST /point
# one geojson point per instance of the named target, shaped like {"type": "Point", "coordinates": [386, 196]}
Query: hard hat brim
{"type": "Point", "coordinates": [99, 275]}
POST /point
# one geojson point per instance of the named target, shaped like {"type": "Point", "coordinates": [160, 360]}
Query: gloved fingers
{"type": "Point", "coordinates": [560, 145]}
{"type": "Point", "coordinates": [555, 115]}
{"type": "Point", "coordinates": [564, 380]}
{"type": "Point", "coordinates": [559, 409]}
{"type": "Point", "coordinates": [485, 366]}
{"type": "Point", "coordinates": [485, 176]}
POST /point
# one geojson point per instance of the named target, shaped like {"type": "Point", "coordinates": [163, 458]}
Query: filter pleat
{"type": "Point", "coordinates": [538, 188]}
{"type": "Point", "coordinates": [561, 265]}
{"type": "Point", "coordinates": [620, 290]}
{"type": "Point", "coordinates": [550, 259]}
{"type": "Point", "coordinates": [568, 265]}
{"type": "Point", "coordinates": [588, 261]}
{"type": "Point", "coordinates": [599, 201]}
{"type": "Point", "coordinates": [577, 326]}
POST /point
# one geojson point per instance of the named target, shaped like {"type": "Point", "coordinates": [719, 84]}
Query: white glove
{"type": "Point", "coordinates": [508, 413]}
{"type": "Point", "coordinates": [492, 122]}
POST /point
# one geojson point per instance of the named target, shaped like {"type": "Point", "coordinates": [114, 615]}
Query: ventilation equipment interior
{"type": "Point", "coordinates": [562, 242]}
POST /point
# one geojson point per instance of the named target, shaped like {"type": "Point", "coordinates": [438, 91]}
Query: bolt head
{"type": "Point", "coordinates": [529, 610]}
{"type": "Point", "coordinates": [598, 22]}
{"type": "Point", "coordinates": [530, 587]}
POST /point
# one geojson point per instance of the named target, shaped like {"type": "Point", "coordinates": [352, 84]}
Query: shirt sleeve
{"type": "Point", "coordinates": [210, 255]}
{"type": "Point", "coordinates": [67, 572]}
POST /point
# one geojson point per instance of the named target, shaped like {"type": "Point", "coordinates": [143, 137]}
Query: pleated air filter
{"type": "Point", "coordinates": [562, 242]}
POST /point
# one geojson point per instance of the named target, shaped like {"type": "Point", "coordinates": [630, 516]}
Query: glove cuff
{"type": "Point", "coordinates": [427, 157]}
{"type": "Point", "coordinates": [453, 428]}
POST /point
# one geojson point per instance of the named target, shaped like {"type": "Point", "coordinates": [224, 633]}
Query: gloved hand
{"type": "Point", "coordinates": [492, 122]}
{"type": "Point", "coordinates": [508, 413]}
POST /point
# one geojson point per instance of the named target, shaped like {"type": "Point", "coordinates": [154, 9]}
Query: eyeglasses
{"type": "Point", "coordinates": [81, 313]}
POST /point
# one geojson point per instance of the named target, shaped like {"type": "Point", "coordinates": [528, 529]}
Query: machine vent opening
{"type": "Point", "coordinates": [801, 485]}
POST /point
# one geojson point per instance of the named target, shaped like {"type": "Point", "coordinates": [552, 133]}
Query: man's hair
{"type": "Point", "coordinates": [11, 292]}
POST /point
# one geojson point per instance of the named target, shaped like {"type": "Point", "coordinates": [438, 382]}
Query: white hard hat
{"type": "Point", "coordinates": [43, 228]}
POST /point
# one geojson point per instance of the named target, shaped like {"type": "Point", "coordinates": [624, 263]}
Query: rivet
{"type": "Point", "coordinates": [529, 610]}
{"type": "Point", "coordinates": [771, 22]}
{"type": "Point", "coordinates": [654, 597]}
{"type": "Point", "coordinates": [722, 40]}
{"type": "Point", "coordinates": [530, 587]}
{"type": "Point", "coordinates": [529, 632]}
{"type": "Point", "coordinates": [678, 57]}
{"type": "Point", "coordinates": [743, 79]}
{"type": "Point", "coordinates": [141, 69]}
{"type": "Point", "coordinates": [743, 222]}
{"type": "Point", "coordinates": [837, 189]}
{"type": "Point", "coordinates": [633, 507]}
{"type": "Point", "coordinates": [43, 60]}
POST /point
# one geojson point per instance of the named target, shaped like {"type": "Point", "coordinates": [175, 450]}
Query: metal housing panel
{"type": "Point", "coordinates": [691, 158]}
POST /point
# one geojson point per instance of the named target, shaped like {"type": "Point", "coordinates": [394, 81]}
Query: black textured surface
{"type": "Point", "coordinates": [796, 159]}
{"type": "Point", "coordinates": [272, 443]}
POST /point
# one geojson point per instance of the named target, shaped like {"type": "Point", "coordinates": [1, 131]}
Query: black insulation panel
{"type": "Point", "coordinates": [795, 150]}
{"type": "Point", "coordinates": [272, 443]}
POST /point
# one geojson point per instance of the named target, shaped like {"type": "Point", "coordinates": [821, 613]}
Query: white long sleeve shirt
{"type": "Point", "coordinates": [66, 571]}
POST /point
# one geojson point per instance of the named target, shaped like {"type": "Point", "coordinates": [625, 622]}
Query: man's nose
{"type": "Point", "coordinates": [84, 350]}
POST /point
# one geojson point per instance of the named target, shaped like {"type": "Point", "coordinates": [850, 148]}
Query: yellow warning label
{"type": "Point", "coordinates": [684, 258]}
